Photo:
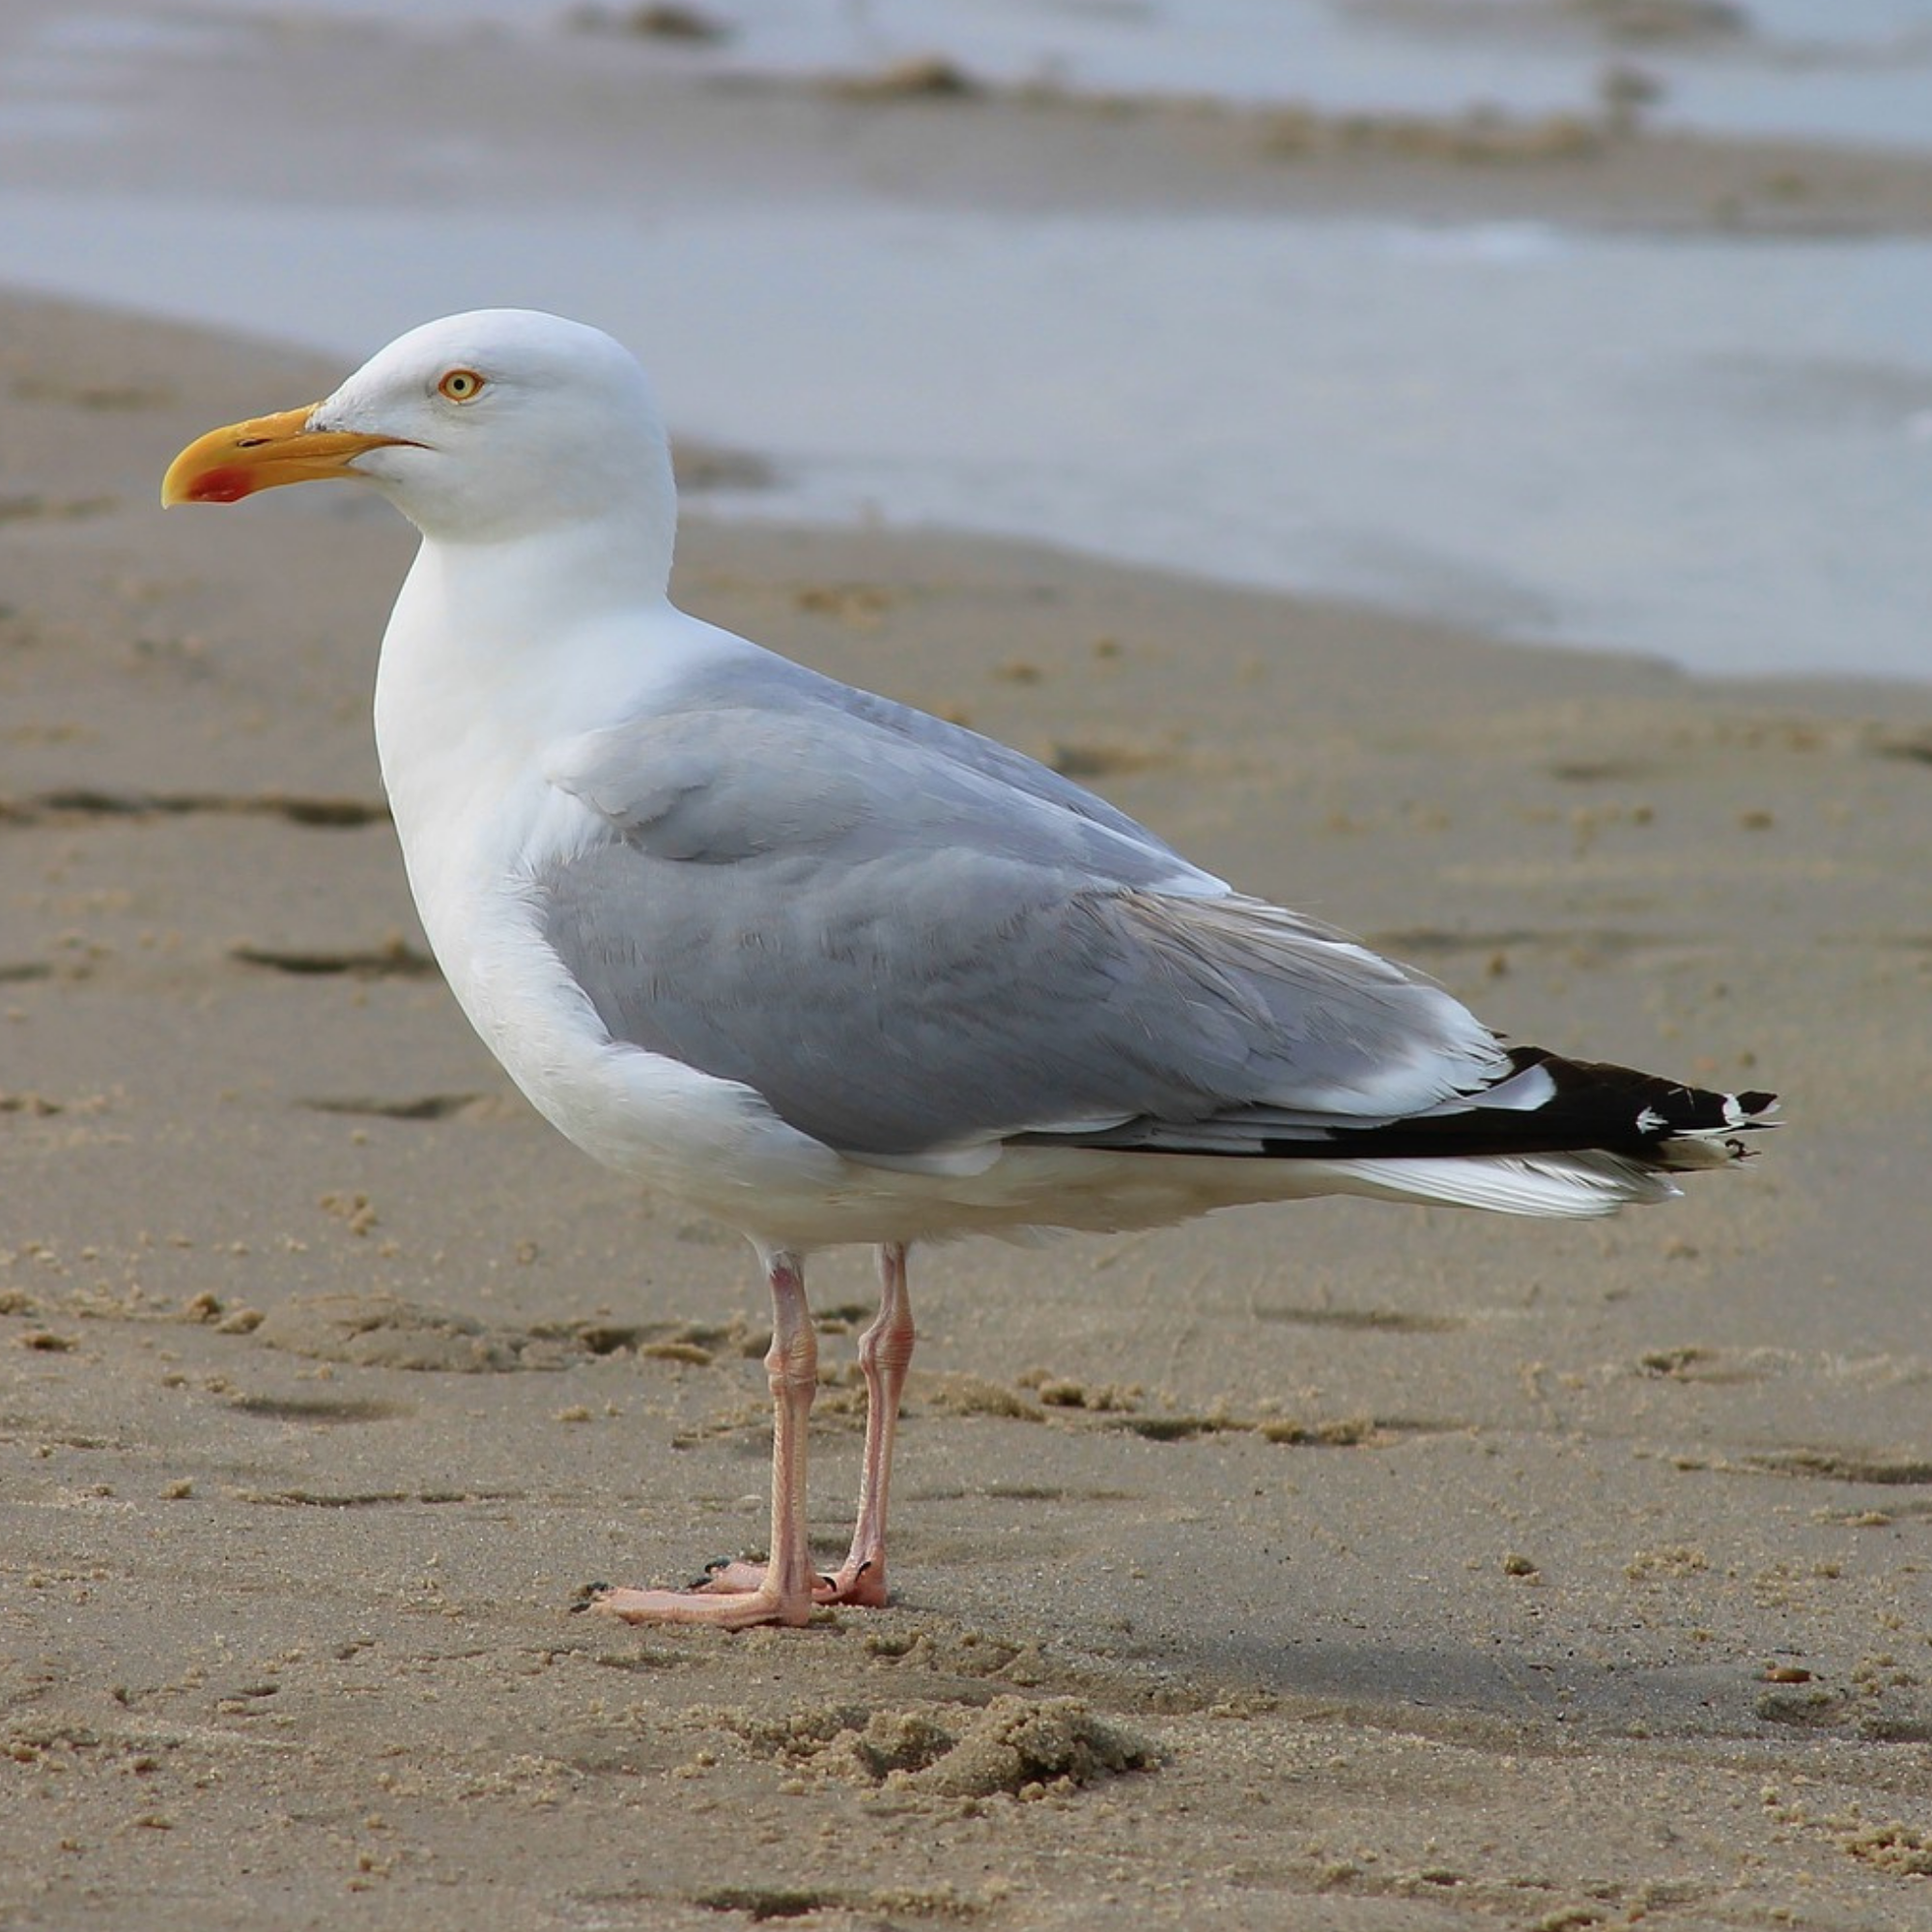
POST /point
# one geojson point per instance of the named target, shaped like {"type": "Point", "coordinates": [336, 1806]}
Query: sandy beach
{"type": "Point", "coordinates": [1337, 1566]}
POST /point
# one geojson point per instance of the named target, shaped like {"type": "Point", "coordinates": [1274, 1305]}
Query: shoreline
{"type": "Point", "coordinates": [1091, 249]}
{"type": "Point", "coordinates": [1339, 1565]}
{"type": "Point", "coordinates": [992, 148]}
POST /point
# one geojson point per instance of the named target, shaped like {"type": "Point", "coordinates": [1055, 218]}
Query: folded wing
{"type": "Point", "coordinates": [910, 942]}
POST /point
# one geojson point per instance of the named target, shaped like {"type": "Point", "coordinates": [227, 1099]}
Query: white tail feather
{"type": "Point", "coordinates": [1553, 1184]}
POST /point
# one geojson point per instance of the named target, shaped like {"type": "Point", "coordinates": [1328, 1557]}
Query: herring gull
{"type": "Point", "coordinates": [830, 970]}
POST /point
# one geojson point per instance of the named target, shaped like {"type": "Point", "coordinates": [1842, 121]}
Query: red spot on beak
{"type": "Point", "coordinates": [221, 486]}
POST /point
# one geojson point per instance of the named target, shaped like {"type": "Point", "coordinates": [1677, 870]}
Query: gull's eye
{"type": "Point", "coordinates": [460, 385]}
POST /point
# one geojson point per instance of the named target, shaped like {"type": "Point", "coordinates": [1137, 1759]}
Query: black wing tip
{"type": "Point", "coordinates": [1587, 1109]}
{"type": "Point", "coordinates": [1667, 1123]}
{"type": "Point", "coordinates": [1592, 1107]}
{"type": "Point", "coordinates": [1682, 1147]}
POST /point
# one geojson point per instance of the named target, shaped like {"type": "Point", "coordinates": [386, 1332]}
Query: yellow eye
{"type": "Point", "coordinates": [460, 385]}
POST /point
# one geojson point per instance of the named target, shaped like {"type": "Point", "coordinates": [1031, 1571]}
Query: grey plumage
{"type": "Point", "coordinates": [892, 981]}
{"type": "Point", "coordinates": [910, 939]}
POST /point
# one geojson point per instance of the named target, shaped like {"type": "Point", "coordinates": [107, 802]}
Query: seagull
{"type": "Point", "coordinates": [827, 969]}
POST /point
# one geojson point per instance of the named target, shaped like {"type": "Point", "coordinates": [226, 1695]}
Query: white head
{"type": "Point", "coordinates": [485, 426]}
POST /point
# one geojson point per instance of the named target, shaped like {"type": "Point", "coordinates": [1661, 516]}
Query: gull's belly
{"type": "Point", "coordinates": [669, 1124]}
{"type": "Point", "coordinates": [717, 1145]}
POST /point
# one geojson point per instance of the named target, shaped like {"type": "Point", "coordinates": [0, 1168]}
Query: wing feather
{"type": "Point", "coordinates": [906, 950]}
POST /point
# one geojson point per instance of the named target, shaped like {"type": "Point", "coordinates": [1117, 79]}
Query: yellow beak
{"type": "Point", "coordinates": [228, 463]}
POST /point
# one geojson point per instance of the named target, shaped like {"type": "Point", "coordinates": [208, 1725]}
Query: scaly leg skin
{"type": "Point", "coordinates": [783, 1590]}
{"type": "Point", "coordinates": [885, 1354]}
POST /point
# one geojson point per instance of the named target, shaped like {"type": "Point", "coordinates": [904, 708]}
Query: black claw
{"type": "Point", "coordinates": [586, 1595]}
{"type": "Point", "coordinates": [716, 1563]}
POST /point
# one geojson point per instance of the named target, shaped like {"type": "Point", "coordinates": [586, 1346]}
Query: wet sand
{"type": "Point", "coordinates": [1335, 1566]}
{"type": "Point", "coordinates": [349, 111]}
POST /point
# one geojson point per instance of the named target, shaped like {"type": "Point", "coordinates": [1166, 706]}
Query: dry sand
{"type": "Point", "coordinates": [1337, 1566]}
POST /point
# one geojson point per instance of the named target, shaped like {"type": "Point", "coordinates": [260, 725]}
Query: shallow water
{"type": "Point", "coordinates": [1718, 450]}
{"type": "Point", "coordinates": [1858, 70]}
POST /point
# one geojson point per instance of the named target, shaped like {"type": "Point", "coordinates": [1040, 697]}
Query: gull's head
{"type": "Point", "coordinates": [495, 424]}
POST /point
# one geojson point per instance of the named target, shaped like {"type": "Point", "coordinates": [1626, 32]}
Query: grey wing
{"type": "Point", "coordinates": [905, 954]}
{"type": "Point", "coordinates": [812, 717]}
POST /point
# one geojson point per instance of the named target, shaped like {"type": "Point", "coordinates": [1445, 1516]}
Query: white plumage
{"type": "Point", "coordinates": [831, 969]}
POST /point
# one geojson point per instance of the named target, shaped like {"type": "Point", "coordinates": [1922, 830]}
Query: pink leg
{"type": "Point", "coordinates": [782, 1591]}
{"type": "Point", "coordinates": [885, 1354]}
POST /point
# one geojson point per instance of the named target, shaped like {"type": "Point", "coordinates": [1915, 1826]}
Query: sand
{"type": "Point", "coordinates": [1337, 1566]}
{"type": "Point", "coordinates": [342, 111]}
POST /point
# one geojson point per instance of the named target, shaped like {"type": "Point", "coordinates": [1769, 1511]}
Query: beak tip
{"type": "Point", "coordinates": [229, 463]}
{"type": "Point", "coordinates": [202, 488]}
